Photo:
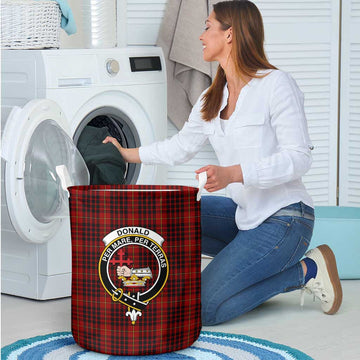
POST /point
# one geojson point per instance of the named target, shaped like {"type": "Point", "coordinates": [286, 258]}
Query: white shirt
{"type": "Point", "coordinates": [267, 135]}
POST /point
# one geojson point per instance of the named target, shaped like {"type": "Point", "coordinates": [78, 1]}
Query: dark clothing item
{"type": "Point", "coordinates": [104, 161]}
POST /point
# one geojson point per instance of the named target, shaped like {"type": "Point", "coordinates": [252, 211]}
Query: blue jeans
{"type": "Point", "coordinates": [249, 266]}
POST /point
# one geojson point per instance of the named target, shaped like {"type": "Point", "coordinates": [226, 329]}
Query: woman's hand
{"type": "Point", "coordinates": [113, 141]}
{"type": "Point", "coordinates": [218, 177]}
{"type": "Point", "coordinates": [129, 155]}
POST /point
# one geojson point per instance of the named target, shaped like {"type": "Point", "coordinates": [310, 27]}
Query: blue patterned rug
{"type": "Point", "coordinates": [209, 346]}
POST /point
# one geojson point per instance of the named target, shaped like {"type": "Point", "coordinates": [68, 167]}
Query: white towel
{"type": "Point", "coordinates": [187, 73]}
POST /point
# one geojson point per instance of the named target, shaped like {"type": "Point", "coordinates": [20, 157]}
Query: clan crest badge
{"type": "Point", "coordinates": [133, 268]}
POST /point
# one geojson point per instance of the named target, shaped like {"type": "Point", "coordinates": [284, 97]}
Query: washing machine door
{"type": "Point", "coordinates": [40, 162]}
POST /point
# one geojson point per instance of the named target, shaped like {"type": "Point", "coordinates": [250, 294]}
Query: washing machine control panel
{"type": "Point", "coordinates": [145, 63]}
{"type": "Point", "coordinates": [112, 67]}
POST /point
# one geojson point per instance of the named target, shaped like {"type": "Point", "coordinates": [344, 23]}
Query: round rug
{"type": "Point", "coordinates": [209, 346]}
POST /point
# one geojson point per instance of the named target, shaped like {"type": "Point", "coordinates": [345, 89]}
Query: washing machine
{"type": "Point", "coordinates": [48, 98]}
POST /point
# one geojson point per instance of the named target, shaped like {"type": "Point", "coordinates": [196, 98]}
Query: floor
{"type": "Point", "coordinates": [280, 320]}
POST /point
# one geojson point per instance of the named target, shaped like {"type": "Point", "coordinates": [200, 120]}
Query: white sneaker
{"type": "Point", "coordinates": [326, 285]}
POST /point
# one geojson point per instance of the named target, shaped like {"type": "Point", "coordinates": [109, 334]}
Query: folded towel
{"type": "Point", "coordinates": [67, 17]}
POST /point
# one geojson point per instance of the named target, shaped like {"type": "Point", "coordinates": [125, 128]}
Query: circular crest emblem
{"type": "Point", "coordinates": [133, 268]}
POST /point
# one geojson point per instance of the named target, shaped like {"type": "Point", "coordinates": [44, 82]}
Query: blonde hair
{"type": "Point", "coordinates": [247, 51]}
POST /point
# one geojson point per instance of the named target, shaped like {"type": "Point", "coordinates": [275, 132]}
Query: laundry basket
{"type": "Point", "coordinates": [27, 24]}
{"type": "Point", "coordinates": [136, 265]}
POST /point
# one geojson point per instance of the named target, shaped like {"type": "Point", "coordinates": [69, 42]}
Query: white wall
{"type": "Point", "coordinates": [140, 20]}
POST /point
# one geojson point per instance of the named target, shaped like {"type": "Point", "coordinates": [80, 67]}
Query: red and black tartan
{"type": "Point", "coordinates": [171, 320]}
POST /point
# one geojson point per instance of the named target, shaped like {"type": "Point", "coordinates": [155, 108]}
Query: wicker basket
{"type": "Point", "coordinates": [27, 24]}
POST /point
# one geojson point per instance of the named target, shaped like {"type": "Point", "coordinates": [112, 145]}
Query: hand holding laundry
{"type": "Point", "coordinates": [130, 155]}
{"type": "Point", "coordinates": [113, 141]}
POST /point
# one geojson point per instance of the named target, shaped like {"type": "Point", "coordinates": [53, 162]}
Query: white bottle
{"type": "Point", "coordinates": [99, 23]}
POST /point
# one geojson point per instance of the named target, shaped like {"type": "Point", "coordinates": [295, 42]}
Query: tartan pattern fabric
{"type": "Point", "coordinates": [167, 299]}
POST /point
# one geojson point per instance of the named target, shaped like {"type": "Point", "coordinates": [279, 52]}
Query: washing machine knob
{"type": "Point", "coordinates": [112, 67]}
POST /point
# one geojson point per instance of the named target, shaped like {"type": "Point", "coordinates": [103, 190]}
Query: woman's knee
{"type": "Point", "coordinates": [207, 320]}
{"type": "Point", "coordinates": [211, 299]}
{"type": "Point", "coordinates": [208, 312]}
